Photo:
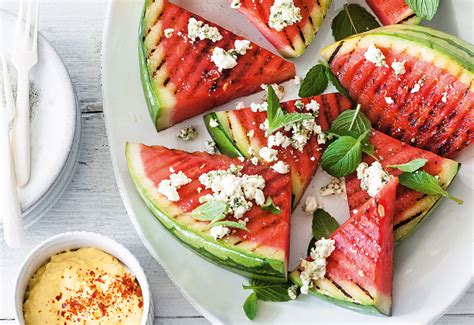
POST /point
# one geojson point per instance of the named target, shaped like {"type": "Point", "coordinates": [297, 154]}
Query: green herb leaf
{"type": "Point", "coordinates": [210, 210]}
{"type": "Point", "coordinates": [425, 9]}
{"type": "Point", "coordinates": [423, 182]}
{"type": "Point", "coordinates": [277, 118]}
{"type": "Point", "coordinates": [231, 224]}
{"type": "Point", "coordinates": [270, 206]}
{"type": "Point", "coordinates": [323, 224]}
{"type": "Point", "coordinates": [410, 166]}
{"type": "Point", "coordinates": [336, 82]}
{"type": "Point", "coordinates": [352, 19]}
{"type": "Point", "coordinates": [315, 81]}
{"type": "Point", "coordinates": [250, 306]}
{"type": "Point", "coordinates": [351, 123]}
{"type": "Point", "coordinates": [342, 156]}
{"type": "Point", "coordinates": [269, 291]}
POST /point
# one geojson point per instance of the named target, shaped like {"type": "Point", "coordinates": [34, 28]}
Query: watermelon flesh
{"type": "Point", "coordinates": [359, 270]}
{"type": "Point", "coordinates": [292, 41]}
{"type": "Point", "coordinates": [179, 78]}
{"type": "Point", "coordinates": [391, 12]}
{"type": "Point", "coordinates": [303, 164]}
{"type": "Point", "coordinates": [411, 207]}
{"type": "Point", "coordinates": [260, 253]}
{"type": "Point", "coordinates": [439, 115]}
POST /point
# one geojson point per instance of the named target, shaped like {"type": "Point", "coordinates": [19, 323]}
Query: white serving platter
{"type": "Point", "coordinates": [433, 268]}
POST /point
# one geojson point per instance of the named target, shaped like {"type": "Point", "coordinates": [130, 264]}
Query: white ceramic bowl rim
{"type": "Point", "coordinates": [74, 240]}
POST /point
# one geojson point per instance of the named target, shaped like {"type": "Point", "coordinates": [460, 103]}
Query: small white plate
{"type": "Point", "coordinates": [433, 268]}
{"type": "Point", "coordinates": [55, 129]}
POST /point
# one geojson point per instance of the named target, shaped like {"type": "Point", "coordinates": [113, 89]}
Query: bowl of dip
{"type": "Point", "coordinates": [82, 277]}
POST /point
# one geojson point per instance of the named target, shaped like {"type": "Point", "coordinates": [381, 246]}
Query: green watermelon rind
{"type": "Point", "coordinates": [442, 43]}
{"type": "Point", "coordinates": [151, 97]}
{"type": "Point", "coordinates": [450, 172]}
{"type": "Point", "coordinates": [221, 137]}
{"type": "Point", "coordinates": [365, 309]}
{"type": "Point", "coordinates": [217, 252]}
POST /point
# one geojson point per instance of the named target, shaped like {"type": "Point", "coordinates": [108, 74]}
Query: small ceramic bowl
{"type": "Point", "coordinates": [74, 240]}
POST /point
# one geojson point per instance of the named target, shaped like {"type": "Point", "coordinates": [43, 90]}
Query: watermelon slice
{"type": "Point", "coordinates": [292, 40]}
{"type": "Point", "coordinates": [429, 103]}
{"type": "Point", "coordinates": [180, 79]}
{"type": "Point", "coordinates": [411, 207]}
{"type": "Point", "coordinates": [359, 270]}
{"type": "Point", "coordinates": [232, 136]}
{"type": "Point", "coordinates": [391, 12]}
{"type": "Point", "coordinates": [261, 253]}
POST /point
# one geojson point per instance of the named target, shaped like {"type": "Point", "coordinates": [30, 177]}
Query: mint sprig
{"type": "Point", "coordinates": [277, 118]}
{"type": "Point", "coordinates": [231, 224]}
{"type": "Point", "coordinates": [323, 226]}
{"type": "Point", "coordinates": [425, 183]}
{"type": "Point", "coordinates": [352, 19]}
{"type": "Point", "coordinates": [425, 9]}
{"type": "Point", "coordinates": [411, 166]}
{"type": "Point", "coordinates": [270, 206]}
{"type": "Point", "coordinates": [210, 211]}
{"type": "Point", "coordinates": [315, 81]}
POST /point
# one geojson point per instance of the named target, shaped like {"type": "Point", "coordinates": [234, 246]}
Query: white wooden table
{"type": "Point", "coordinates": [92, 202]}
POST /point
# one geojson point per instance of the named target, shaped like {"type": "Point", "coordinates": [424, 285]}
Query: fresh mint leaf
{"type": "Point", "coordinates": [231, 224]}
{"type": "Point", "coordinates": [210, 211]}
{"type": "Point", "coordinates": [425, 9]}
{"type": "Point", "coordinates": [342, 156]}
{"type": "Point", "coordinates": [425, 183]}
{"type": "Point", "coordinates": [351, 123]}
{"type": "Point", "coordinates": [250, 306]}
{"type": "Point", "coordinates": [269, 291]}
{"type": "Point", "coordinates": [410, 166]}
{"type": "Point", "coordinates": [315, 81]}
{"type": "Point", "coordinates": [336, 82]}
{"type": "Point", "coordinates": [323, 224]}
{"type": "Point", "coordinates": [270, 206]}
{"type": "Point", "coordinates": [277, 118]}
{"type": "Point", "coordinates": [352, 19]}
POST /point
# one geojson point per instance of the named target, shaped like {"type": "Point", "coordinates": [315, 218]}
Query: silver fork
{"type": "Point", "coordinates": [24, 57]}
{"type": "Point", "coordinates": [11, 210]}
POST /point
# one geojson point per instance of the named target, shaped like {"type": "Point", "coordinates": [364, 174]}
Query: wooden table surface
{"type": "Point", "coordinates": [92, 202]}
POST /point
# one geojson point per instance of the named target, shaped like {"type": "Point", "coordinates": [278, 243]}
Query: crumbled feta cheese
{"type": "Point", "coordinates": [374, 55]}
{"type": "Point", "coordinates": [168, 32]}
{"type": "Point", "coordinates": [316, 269]}
{"type": "Point", "coordinates": [444, 99]}
{"type": "Point", "coordinates": [268, 154]}
{"type": "Point", "coordinates": [311, 204]}
{"type": "Point", "coordinates": [299, 104]}
{"type": "Point", "coordinates": [187, 133]}
{"type": "Point", "coordinates": [389, 100]}
{"type": "Point", "coordinates": [223, 59]}
{"type": "Point", "coordinates": [297, 80]}
{"type": "Point", "coordinates": [302, 132]}
{"type": "Point", "coordinates": [171, 169]}
{"type": "Point", "coordinates": [241, 46]}
{"type": "Point", "coordinates": [255, 107]}
{"type": "Point", "coordinates": [197, 29]}
{"type": "Point", "coordinates": [293, 292]}
{"type": "Point", "coordinates": [280, 167]}
{"type": "Point", "coordinates": [335, 186]}
{"type": "Point", "coordinates": [372, 178]}
{"type": "Point", "coordinates": [169, 187]}
{"type": "Point", "coordinates": [241, 159]}
{"type": "Point", "coordinates": [251, 133]}
{"type": "Point", "coordinates": [279, 91]}
{"type": "Point", "coordinates": [264, 126]}
{"type": "Point", "coordinates": [283, 13]}
{"type": "Point", "coordinates": [251, 151]}
{"type": "Point", "coordinates": [213, 123]}
{"type": "Point", "coordinates": [417, 86]}
{"type": "Point", "coordinates": [254, 160]}
{"type": "Point", "coordinates": [398, 67]}
{"type": "Point", "coordinates": [278, 139]}
{"type": "Point", "coordinates": [361, 273]}
{"type": "Point", "coordinates": [218, 232]}
{"type": "Point", "coordinates": [313, 106]}
{"type": "Point", "coordinates": [235, 4]}
{"type": "Point", "coordinates": [323, 138]}
{"type": "Point", "coordinates": [211, 147]}
{"type": "Point", "coordinates": [240, 105]}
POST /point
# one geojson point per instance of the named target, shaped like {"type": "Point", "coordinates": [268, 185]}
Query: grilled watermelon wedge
{"type": "Point", "coordinates": [261, 253]}
{"type": "Point", "coordinates": [232, 136]}
{"type": "Point", "coordinates": [411, 207]}
{"type": "Point", "coordinates": [359, 270]}
{"type": "Point", "coordinates": [292, 40]}
{"type": "Point", "coordinates": [391, 12]}
{"type": "Point", "coordinates": [179, 78]}
{"type": "Point", "coordinates": [430, 105]}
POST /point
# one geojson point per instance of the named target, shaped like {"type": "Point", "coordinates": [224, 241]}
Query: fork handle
{"type": "Point", "coordinates": [21, 130]}
{"type": "Point", "coordinates": [9, 202]}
